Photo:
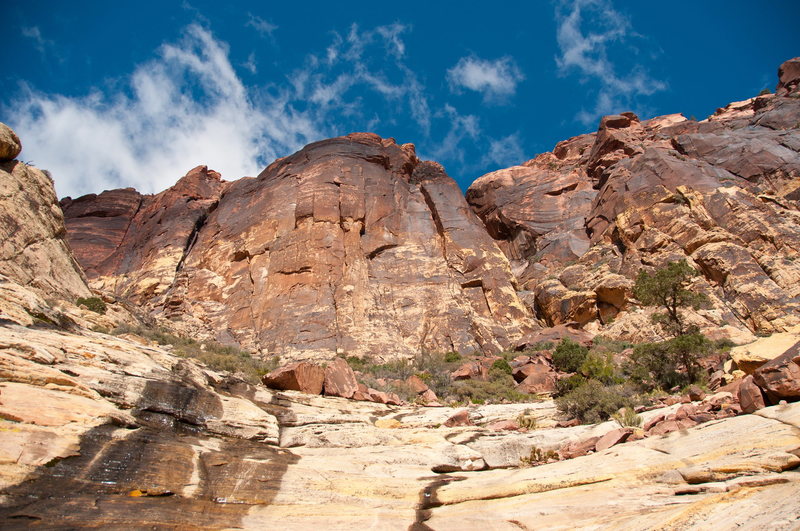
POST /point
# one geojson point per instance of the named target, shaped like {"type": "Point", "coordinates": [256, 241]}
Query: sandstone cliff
{"type": "Point", "coordinates": [578, 223]}
{"type": "Point", "coordinates": [351, 245]}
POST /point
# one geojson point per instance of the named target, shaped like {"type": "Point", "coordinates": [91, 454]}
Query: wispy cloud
{"type": "Point", "coordinates": [588, 52]}
{"type": "Point", "coordinates": [504, 152]}
{"type": "Point", "coordinates": [35, 34]}
{"type": "Point", "coordinates": [263, 27]}
{"type": "Point", "coordinates": [496, 79]}
{"type": "Point", "coordinates": [188, 106]}
{"type": "Point", "coordinates": [251, 64]}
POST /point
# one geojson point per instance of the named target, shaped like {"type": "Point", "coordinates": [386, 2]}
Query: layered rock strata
{"type": "Point", "coordinates": [578, 223]}
{"type": "Point", "coordinates": [351, 245]}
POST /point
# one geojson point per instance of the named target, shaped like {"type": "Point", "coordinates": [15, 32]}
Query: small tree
{"type": "Point", "coordinates": [667, 288]}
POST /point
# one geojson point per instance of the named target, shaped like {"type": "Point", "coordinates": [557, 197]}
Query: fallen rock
{"type": "Point", "coordinates": [540, 379]}
{"type": "Point", "coordinates": [298, 376]}
{"type": "Point", "coordinates": [460, 418]}
{"type": "Point", "coordinates": [472, 370]}
{"type": "Point", "coordinates": [780, 378]}
{"type": "Point", "coordinates": [750, 397]}
{"type": "Point", "coordinates": [339, 379]}
{"type": "Point", "coordinates": [503, 425]}
{"type": "Point", "coordinates": [612, 438]}
{"type": "Point", "coordinates": [416, 384]}
{"type": "Point", "coordinates": [578, 448]}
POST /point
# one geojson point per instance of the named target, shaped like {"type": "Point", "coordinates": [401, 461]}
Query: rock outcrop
{"type": "Point", "coordinates": [351, 245]}
{"type": "Point", "coordinates": [33, 248]}
{"type": "Point", "coordinates": [577, 224]}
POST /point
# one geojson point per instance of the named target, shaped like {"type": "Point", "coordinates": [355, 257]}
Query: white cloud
{"type": "Point", "coordinates": [187, 106]}
{"type": "Point", "coordinates": [504, 152]}
{"type": "Point", "coordinates": [251, 64]}
{"type": "Point", "coordinates": [587, 53]}
{"type": "Point", "coordinates": [264, 27]}
{"type": "Point", "coordinates": [494, 79]}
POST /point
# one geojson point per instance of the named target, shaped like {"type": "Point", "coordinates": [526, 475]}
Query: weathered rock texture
{"type": "Point", "coordinates": [33, 248]}
{"type": "Point", "coordinates": [577, 224]}
{"type": "Point", "coordinates": [351, 245]}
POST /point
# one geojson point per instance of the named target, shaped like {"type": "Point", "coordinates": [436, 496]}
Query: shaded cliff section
{"type": "Point", "coordinates": [578, 223]}
{"type": "Point", "coordinates": [350, 246]}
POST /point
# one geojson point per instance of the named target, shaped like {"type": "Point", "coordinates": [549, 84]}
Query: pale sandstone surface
{"type": "Point", "coordinates": [33, 247]}
{"type": "Point", "coordinates": [134, 436]}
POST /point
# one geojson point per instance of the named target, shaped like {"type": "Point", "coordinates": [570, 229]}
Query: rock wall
{"type": "Point", "coordinates": [33, 248]}
{"type": "Point", "coordinates": [578, 224]}
{"type": "Point", "coordinates": [351, 245]}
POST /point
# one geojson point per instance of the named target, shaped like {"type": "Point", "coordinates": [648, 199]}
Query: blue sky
{"type": "Point", "coordinates": [112, 94]}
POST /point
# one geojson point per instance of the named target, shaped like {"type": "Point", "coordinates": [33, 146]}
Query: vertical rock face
{"type": "Point", "coordinates": [351, 245]}
{"type": "Point", "coordinates": [578, 223]}
{"type": "Point", "coordinates": [134, 244]}
{"type": "Point", "coordinates": [33, 249]}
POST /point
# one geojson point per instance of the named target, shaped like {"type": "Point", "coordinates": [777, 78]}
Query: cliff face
{"type": "Point", "coordinates": [351, 245]}
{"type": "Point", "coordinates": [580, 222]}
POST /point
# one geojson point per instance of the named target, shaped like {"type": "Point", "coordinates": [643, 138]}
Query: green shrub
{"type": "Point", "coordinates": [452, 357]}
{"type": "Point", "coordinates": [500, 387]}
{"type": "Point", "coordinates": [569, 356]}
{"type": "Point", "coordinates": [502, 365]}
{"type": "Point", "coordinates": [565, 385]}
{"type": "Point", "coordinates": [592, 402]}
{"type": "Point", "coordinates": [600, 368]}
{"type": "Point", "coordinates": [538, 456]}
{"type": "Point", "coordinates": [94, 304]}
{"type": "Point", "coordinates": [658, 365]}
{"type": "Point", "coordinates": [216, 356]}
{"type": "Point", "coordinates": [611, 345]}
{"type": "Point", "coordinates": [627, 417]}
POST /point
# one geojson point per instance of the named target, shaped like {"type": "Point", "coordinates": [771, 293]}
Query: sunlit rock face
{"type": "Point", "coordinates": [577, 224]}
{"type": "Point", "coordinates": [351, 245]}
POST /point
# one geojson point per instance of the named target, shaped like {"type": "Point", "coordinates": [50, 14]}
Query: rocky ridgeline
{"type": "Point", "coordinates": [114, 431]}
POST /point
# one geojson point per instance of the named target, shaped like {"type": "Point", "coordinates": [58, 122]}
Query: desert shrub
{"type": "Point", "coordinates": [452, 357]}
{"type": "Point", "coordinates": [94, 304]}
{"type": "Point", "coordinates": [565, 385]}
{"type": "Point", "coordinates": [612, 345]}
{"type": "Point", "coordinates": [593, 402]}
{"type": "Point", "coordinates": [540, 346]}
{"type": "Point", "coordinates": [569, 356]}
{"type": "Point", "coordinates": [627, 417]}
{"type": "Point", "coordinates": [658, 365]}
{"type": "Point", "coordinates": [538, 456]}
{"type": "Point", "coordinates": [499, 387]}
{"type": "Point", "coordinates": [502, 365]}
{"type": "Point", "coordinates": [216, 356]}
{"type": "Point", "coordinates": [601, 368]}
{"type": "Point", "coordinates": [526, 419]}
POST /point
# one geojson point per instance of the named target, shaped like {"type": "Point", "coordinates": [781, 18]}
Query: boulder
{"type": "Point", "coordinates": [416, 384]}
{"type": "Point", "coordinates": [750, 357]}
{"type": "Point", "coordinates": [611, 438]}
{"type": "Point", "coordinates": [788, 76]}
{"type": "Point", "coordinates": [10, 146]}
{"type": "Point", "coordinates": [339, 379]}
{"type": "Point", "coordinates": [780, 378]}
{"type": "Point", "coordinates": [554, 335]}
{"type": "Point", "coordinates": [459, 418]}
{"type": "Point", "coordinates": [540, 379]}
{"type": "Point", "coordinates": [750, 397]}
{"type": "Point", "coordinates": [578, 448]}
{"type": "Point", "coordinates": [298, 376]}
{"type": "Point", "coordinates": [472, 370]}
